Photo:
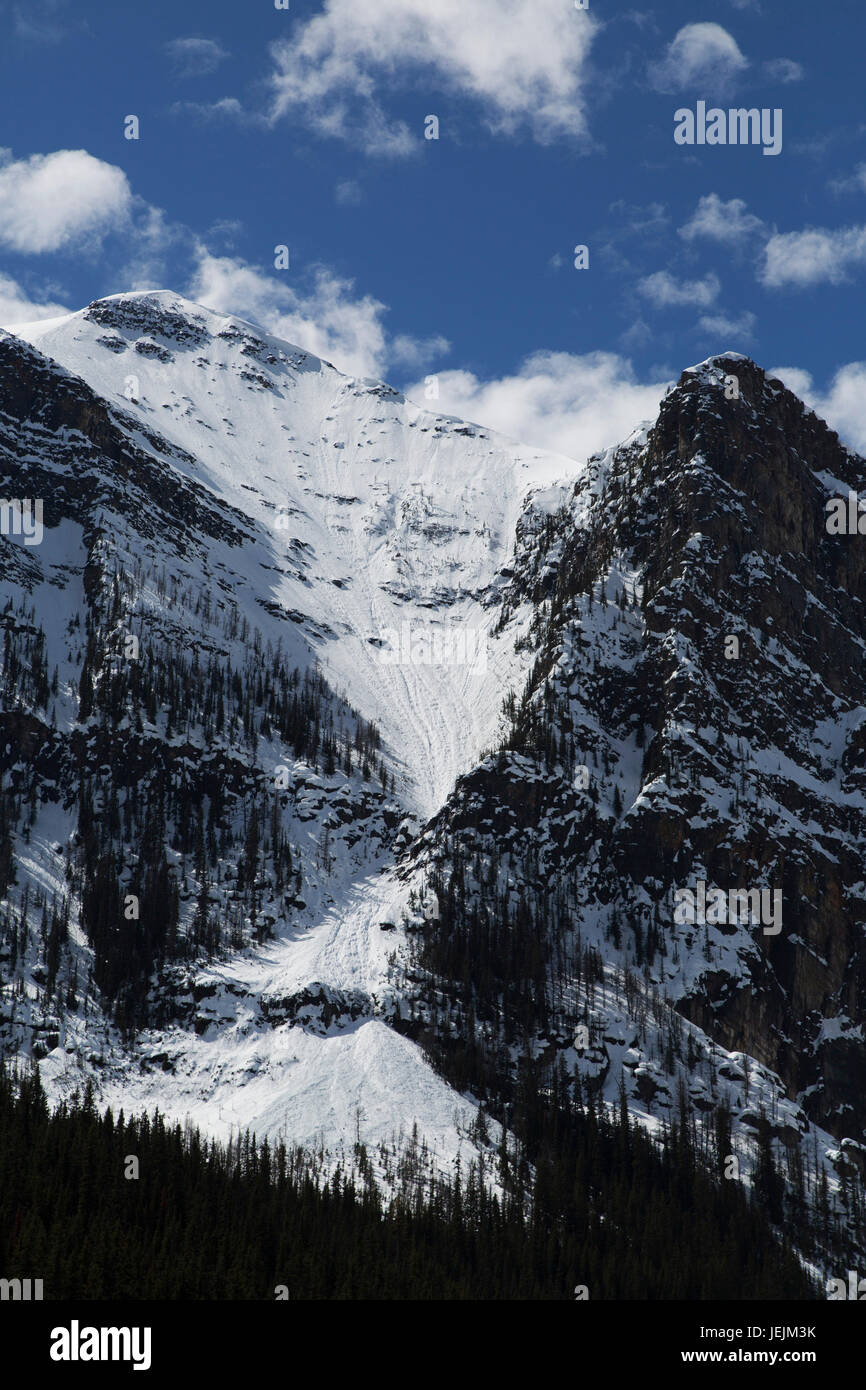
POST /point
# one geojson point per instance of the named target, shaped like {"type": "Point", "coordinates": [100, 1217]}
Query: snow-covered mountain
{"type": "Point", "coordinates": [353, 755]}
{"type": "Point", "coordinates": [251, 495]}
{"type": "Point", "coordinates": [370, 511]}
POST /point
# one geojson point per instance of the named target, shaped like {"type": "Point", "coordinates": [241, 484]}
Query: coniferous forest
{"type": "Point", "coordinates": [142, 804]}
{"type": "Point", "coordinates": [200, 1220]}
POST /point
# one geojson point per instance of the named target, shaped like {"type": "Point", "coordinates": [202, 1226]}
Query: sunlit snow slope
{"type": "Point", "coordinates": [382, 513]}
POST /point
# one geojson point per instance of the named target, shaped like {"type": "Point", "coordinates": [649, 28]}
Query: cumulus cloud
{"type": "Point", "coordinates": [61, 201]}
{"type": "Point", "coordinates": [813, 257]}
{"type": "Point", "coordinates": [16, 306]}
{"type": "Point", "coordinates": [796, 380]}
{"type": "Point", "coordinates": [844, 404]}
{"type": "Point", "coordinates": [719, 221]}
{"type": "Point", "coordinates": [662, 290]}
{"type": "Point", "coordinates": [414, 353]}
{"type": "Point", "coordinates": [195, 57]}
{"type": "Point", "coordinates": [328, 319]}
{"type": "Point", "coordinates": [570, 403]}
{"type": "Point", "coordinates": [699, 53]}
{"type": "Point", "coordinates": [523, 60]}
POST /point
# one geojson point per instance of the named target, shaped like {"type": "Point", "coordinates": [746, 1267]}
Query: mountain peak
{"type": "Point", "coordinates": [716, 360]}
{"type": "Point", "coordinates": [731, 403]}
{"type": "Point", "coordinates": [165, 317]}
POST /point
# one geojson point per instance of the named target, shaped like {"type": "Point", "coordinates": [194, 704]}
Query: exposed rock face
{"type": "Point", "coordinates": [739, 765]}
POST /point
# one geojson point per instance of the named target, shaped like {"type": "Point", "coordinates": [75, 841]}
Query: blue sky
{"type": "Point", "coordinates": [412, 257]}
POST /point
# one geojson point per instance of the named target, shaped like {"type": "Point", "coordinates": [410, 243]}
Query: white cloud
{"type": "Point", "coordinates": [151, 238]}
{"type": "Point", "coordinates": [699, 53]}
{"type": "Point", "coordinates": [662, 290]}
{"type": "Point", "coordinates": [842, 405]}
{"type": "Point", "coordinates": [16, 306]}
{"type": "Point", "coordinates": [796, 380]}
{"type": "Point", "coordinates": [523, 60]}
{"type": "Point", "coordinates": [326, 320]}
{"type": "Point", "coordinates": [784, 70]}
{"type": "Point", "coordinates": [414, 353]}
{"type": "Point", "coordinates": [813, 257]}
{"type": "Point", "coordinates": [56, 201]}
{"type": "Point", "coordinates": [195, 57]}
{"type": "Point", "coordinates": [724, 326]}
{"type": "Point", "coordinates": [718, 221]}
{"type": "Point", "coordinates": [572, 404]}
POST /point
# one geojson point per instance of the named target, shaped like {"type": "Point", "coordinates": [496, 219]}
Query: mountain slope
{"type": "Point", "coordinates": [647, 755]}
{"type": "Point", "coordinates": [404, 742]}
{"type": "Point", "coordinates": [248, 508]}
{"type": "Point", "coordinates": [388, 514]}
